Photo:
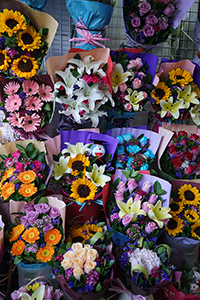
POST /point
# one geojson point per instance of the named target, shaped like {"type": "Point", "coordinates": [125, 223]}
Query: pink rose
{"type": "Point", "coordinates": [142, 74]}
{"type": "Point", "coordinates": [151, 20]}
{"type": "Point", "coordinates": [16, 154]}
{"type": "Point", "coordinates": [162, 24]}
{"type": "Point", "coordinates": [137, 197]}
{"type": "Point", "coordinates": [145, 206]}
{"type": "Point", "coordinates": [48, 292]}
{"type": "Point", "coordinates": [37, 165]}
{"type": "Point", "coordinates": [144, 8]}
{"type": "Point", "coordinates": [122, 87]}
{"type": "Point", "coordinates": [119, 196]}
{"type": "Point", "coordinates": [148, 30]}
{"type": "Point", "coordinates": [137, 83]}
{"type": "Point", "coordinates": [150, 227]}
{"type": "Point", "coordinates": [135, 63]}
{"type": "Point", "coordinates": [135, 22]}
{"type": "Point", "coordinates": [144, 94]}
{"type": "Point", "coordinates": [126, 220]}
{"type": "Point", "coordinates": [169, 10]}
{"type": "Point", "coordinates": [19, 167]}
{"type": "Point", "coordinates": [128, 107]}
{"type": "Point", "coordinates": [152, 199]}
{"type": "Point", "coordinates": [132, 184]}
{"type": "Point", "coordinates": [146, 186]}
{"type": "Point", "coordinates": [121, 186]}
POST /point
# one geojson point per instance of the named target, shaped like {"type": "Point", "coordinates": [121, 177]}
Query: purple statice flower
{"type": "Point", "coordinates": [22, 95]}
{"type": "Point", "coordinates": [115, 216]}
{"type": "Point", "coordinates": [88, 288]}
{"type": "Point", "coordinates": [31, 248]}
{"type": "Point", "coordinates": [70, 284]}
{"type": "Point", "coordinates": [68, 273]}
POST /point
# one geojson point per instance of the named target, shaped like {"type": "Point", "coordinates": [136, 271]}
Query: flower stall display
{"type": "Point", "coordinates": [26, 36]}
{"type": "Point", "coordinates": [24, 170]}
{"type": "Point", "coordinates": [138, 207]}
{"type": "Point", "coordinates": [28, 105]}
{"type": "Point", "coordinates": [176, 96]}
{"type": "Point", "coordinates": [81, 87]}
{"type": "Point", "coordinates": [149, 23]}
{"type": "Point", "coordinates": [83, 270]}
{"type": "Point", "coordinates": [90, 19]}
{"type": "Point", "coordinates": [132, 78]}
{"type": "Point", "coordinates": [136, 148]}
{"type": "Point", "coordinates": [145, 268]}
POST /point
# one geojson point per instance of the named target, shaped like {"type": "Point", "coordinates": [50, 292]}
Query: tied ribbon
{"type": "Point", "coordinates": [87, 36]}
{"type": "Point", "coordinates": [120, 288]}
{"type": "Point", "coordinates": [100, 202]}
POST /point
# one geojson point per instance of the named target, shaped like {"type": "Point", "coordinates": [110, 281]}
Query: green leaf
{"type": "Point", "coordinates": [42, 187]}
{"type": "Point", "coordinates": [161, 192]}
{"type": "Point", "coordinates": [157, 186]}
{"type": "Point", "coordinates": [33, 153]}
{"type": "Point", "coordinates": [98, 287]}
{"type": "Point", "coordinates": [21, 148]}
{"type": "Point", "coordinates": [3, 156]}
{"type": "Point", "coordinates": [47, 107]}
{"type": "Point", "coordinates": [29, 147]}
{"type": "Point", "coordinates": [17, 259]}
{"type": "Point", "coordinates": [43, 200]}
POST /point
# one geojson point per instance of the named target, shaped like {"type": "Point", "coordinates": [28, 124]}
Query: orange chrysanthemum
{"type": "Point", "coordinates": [27, 190]}
{"type": "Point", "coordinates": [15, 233]}
{"type": "Point", "coordinates": [7, 190]}
{"type": "Point", "coordinates": [17, 248]}
{"type": "Point", "coordinates": [45, 254]}
{"type": "Point", "coordinates": [27, 176]}
{"type": "Point", "coordinates": [8, 173]}
{"type": "Point", "coordinates": [52, 237]}
{"type": "Point", "coordinates": [31, 235]}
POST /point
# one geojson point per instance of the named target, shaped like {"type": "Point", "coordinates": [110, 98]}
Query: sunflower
{"type": "Point", "coordinates": [78, 233]}
{"type": "Point", "coordinates": [15, 232]}
{"type": "Point", "coordinates": [27, 176]}
{"type": "Point", "coordinates": [191, 215]}
{"type": "Point", "coordinates": [174, 226]}
{"type": "Point", "coordinates": [7, 190]}
{"type": "Point", "coordinates": [9, 172]}
{"type": "Point", "coordinates": [176, 208]}
{"type": "Point", "coordinates": [31, 235]}
{"type": "Point", "coordinates": [27, 190]}
{"type": "Point", "coordinates": [197, 90]}
{"type": "Point", "coordinates": [161, 92]}
{"type": "Point", "coordinates": [52, 237]}
{"type": "Point", "coordinates": [189, 195]}
{"type": "Point", "coordinates": [11, 21]}
{"type": "Point", "coordinates": [83, 190]}
{"type": "Point", "coordinates": [93, 228]}
{"type": "Point", "coordinates": [29, 39]}
{"type": "Point", "coordinates": [25, 67]}
{"type": "Point", "coordinates": [183, 77]}
{"type": "Point", "coordinates": [78, 164]}
{"type": "Point", "coordinates": [17, 248]}
{"type": "Point", "coordinates": [4, 60]}
{"type": "Point", "coordinates": [45, 254]}
{"type": "Point", "coordinates": [196, 230]}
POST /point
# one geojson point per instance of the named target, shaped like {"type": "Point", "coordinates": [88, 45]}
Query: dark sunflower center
{"type": "Point", "coordinates": [25, 65]}
{"type": "Point", "coordinates": [78, 165]}
{"type": "Point", "coordinates": [11, 23]}
{"type": "Point", "coordinates": [172, 224]}
{"type": "Point", "coordinates": [77, 239]}
{"type": "Point", "coordinates": [191, 216]}
{"type": "Point", "coordinates": [2, 58]}
{"type": "Point", "coordinates": [179, 77]}
{"type": "Point", "coordinates": [174, 207]}
{"type": "Point", "coordinates": [159, 93]}
{"type": "Point", "coordinates": [197, 231]}
{"type": "Point", "coordinates": [93, 232]}
{"type": "Point", "coordinates": [189, 195]}
{"type": "Point", "coordinates": [27, 39]}
{"type": "Point", "coordinates": [83, 190]}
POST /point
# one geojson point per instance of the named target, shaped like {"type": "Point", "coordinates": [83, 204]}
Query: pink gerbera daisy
{"type": "Point", "coordinates": [30, 87]}
{"type": "Point", "coordinates": [11, 88]}
{"type": "Point", "coordinates": [15, 119]}
{"type": "Point", "coordinates": [13, 103]}
{"type": "Point", "coordinates": [31, 122]}
{"type": "Point", "coordinates": [45, 93]}
{"type": "Point", "coordinates": [34, 103]}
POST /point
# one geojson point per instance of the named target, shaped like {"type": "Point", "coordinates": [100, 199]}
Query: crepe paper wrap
{"type": "Point", "coordinates": [94, 15]}
{"type": "Point", "coordinates": [36, 4]}
{"type": "Point", "coordinates": [39, 19]}
{"type": "Point", "coordinates": [1, 238]}
{"type": "Point", "coordinates": [118, 238]}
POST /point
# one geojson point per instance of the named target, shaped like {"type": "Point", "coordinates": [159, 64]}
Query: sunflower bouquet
{"type": "Point", "coordinates": [176, 95]}
{"type": "Point", "coordinates": [23, 173]}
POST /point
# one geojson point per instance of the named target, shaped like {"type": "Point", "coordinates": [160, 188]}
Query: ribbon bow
{"type": "Point", "coordinates": [87, 36]}
{"type": "Point", "coordinates": [120, 288]}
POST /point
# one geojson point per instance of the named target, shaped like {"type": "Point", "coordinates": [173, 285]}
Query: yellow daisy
{"type": "Point", "coordinates": [52, 237]}
{"type": "Point", "coordinates": [83, 190]}
{"type": "Point", "coordinates": [31, 235]}
{"type": "Point", "coordinates": [9, 172]}
{"type": "Point", "coordinates": [176, 208]}
{"type": "Point", "coordinates": [7, 190]}
{"type": "Point", "coordinates": [27, 176]}
{"type": "Point", "coordinates": [189, 195]}
{"type": "Point", "coordinates": [29, 39]}
{"type": "Point", "coordinates": [17, 248]}
{"type": "Point", "coordinates": [45, 254]}
{"type": "Point", "coordinates": [180, 76]}
{"type": "Point", "coordinates": [11, 21]}
{"type": "Point", "coordinates": [27, 190]}
{"type": "Point", "coordinates": [78, 164]}
{"type": "Point", "coordinates": [174, 226]}
{"type": "Point", "coordinates": [25, 67]}
{"type": "Point", "coordinates": [161, 92]}
{"type": "Point", "coordinates": [4, 60]}
{"type": "Point", "coordinates": [191, 215]}
{"type": "Point", "coordinates": [15, 232]}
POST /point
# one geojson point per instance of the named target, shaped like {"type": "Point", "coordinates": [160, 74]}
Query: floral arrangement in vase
{"type": "Point", "coordinates": [23, 173]}
{"type": "Point", "coordinates": [35, 233]}
{"type": "Point", "coordinates": [22, 46]}
{"type": "Point", "coordinates": [28, 105]}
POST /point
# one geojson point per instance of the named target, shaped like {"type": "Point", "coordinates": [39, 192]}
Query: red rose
{"type": "Point", "coordinates": [176, 162]}
{"type": "Point", "coordinates": [194, 148]}
{"type": "Point", "coordinates": [172, 149]}
{"type": "Point", "coordinates": [182, 133]}
{"type": "Point", "coordinates": [198, 165]}
{"type": "Point", "coordinates": [190, 169]}
{"type": "Point", "coordinates": [194, 136]}
{"type": "Point", "coordinates": [188, 155]}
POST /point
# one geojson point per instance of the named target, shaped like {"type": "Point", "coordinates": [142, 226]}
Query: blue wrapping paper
{"type": "Point", "coordinates": [35, 4]}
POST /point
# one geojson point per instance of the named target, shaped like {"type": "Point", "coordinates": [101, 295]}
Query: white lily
{"type": "Point", "coordinates": [37, 295]}
{"type": "Point", "coordinates": [195, 114]}
{"type": "Point", "coordinates": [79, 148]}
{"type": "Point", "coordinates": [187, 96]}
{"type": "Point", "coordinates": [97, 175]}
{"type": "Point", "coordinates": [69, 81]}
{"type": "Point", "coordinates": [87, 64]}
{"type": "Point", "coordinates": [119, 76]}
{"type": "Point", "coordinates": [95, 114]}
{"type": "Point", "coordinates": [130, 207]}
{"type": "Point", "coordinates": [134, 98]}
{"type": "Point", "coordinates": [60, 167]}
{"type": "Point", "coordinates": [73, 109]}
{"type": "Point", "coordinates": [169, 106]}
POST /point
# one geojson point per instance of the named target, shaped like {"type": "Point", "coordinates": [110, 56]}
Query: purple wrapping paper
{"type": "Point", "coordinates": [73, 137]}
{"type": "Point", "coordinates": [154, 138]}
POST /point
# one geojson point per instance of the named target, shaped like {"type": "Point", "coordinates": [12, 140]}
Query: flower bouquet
{"type": "Point", "coordinates": [36, 4]}
{"type": "Point", "coordinates": [81, 86]}
{"type": "Point", "coordinates": [83, 270]}
{"type": "Point", "coordinates": [28, 105]}
{"type": "Point", "coordinates": [138, 207]}
{"type": "Point", "coordinates": [24, 170]}
{"type": "Point", "coordinates": [176, 96]}
{"type": "Point", "coordinates": [136, 148]}
{"type": "Point", "coordinates": [1, 238]}
{"type": "Point", "coordinates": [90, 18]}
{"type": "Point", "coordinates": [25, 39]}
{"type": "Point", "coordinates": [149, 23]}
{"type": "Point", "coordinates": [145, 268]}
